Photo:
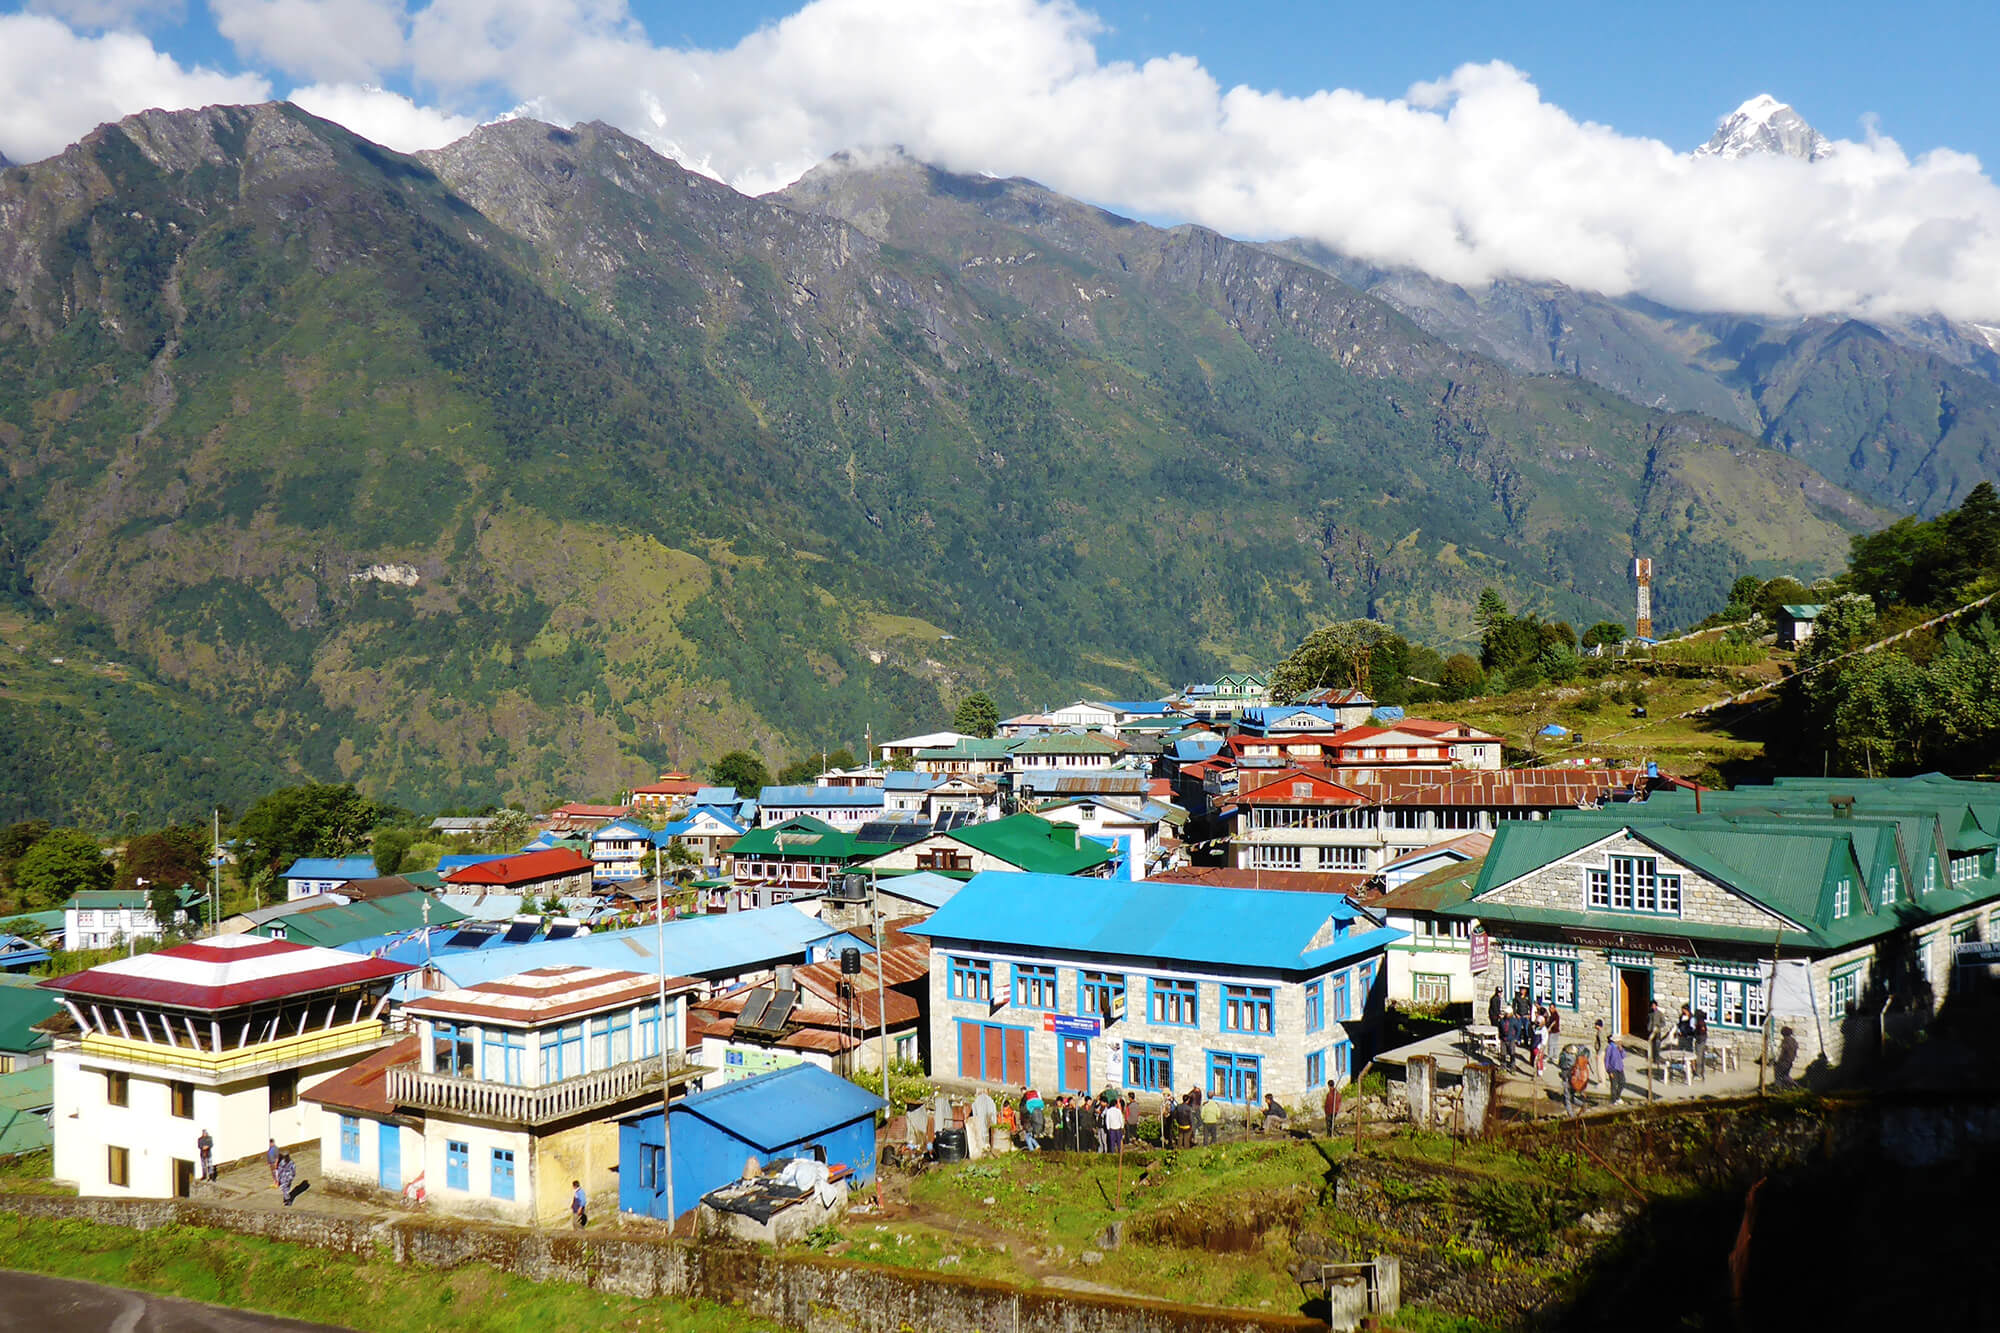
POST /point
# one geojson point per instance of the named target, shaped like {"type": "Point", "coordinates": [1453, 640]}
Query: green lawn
{"type": "Point", "coordinates": [377, 1295]}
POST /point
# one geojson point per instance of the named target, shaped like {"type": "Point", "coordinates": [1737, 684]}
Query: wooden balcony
{"type": "Point", "coordinates": [476, 1099]}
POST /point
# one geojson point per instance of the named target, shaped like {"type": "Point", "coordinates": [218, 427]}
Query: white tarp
{"type": "Point", "coordinates": [1791, 991]}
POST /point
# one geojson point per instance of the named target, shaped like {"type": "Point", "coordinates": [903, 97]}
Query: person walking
{"type": "Point", "coordinates": [1495, 1007]}
{"type": "Point", "coordinates": [1211, 1121]}
{"type": "Point", "coordinates": [1701, 1044]}
{"type": "Point", "coordinates": [1576, 1082]}
{"type": "Point", "coordinates": [1509, 1027]}
{"type": "Point", "coordinates": [1539, 1034]}
{"type": "Point", "coordinates": [1114, 1127]}
{"type": "Point", "coordinates": [204, 1147]}
{"type": "Point", "coordinates": [1684, 1030]}
{"type": "Point", "coordinates": [1099, 1131]}
{"type": "Point", "coordinates": [1788, 1054]}
{"type": "Point", "coordinates": [1331, 1103]}
{"type": "Point", "coordinates": [287, 1176]}
{"type": "Point", "coordinates": [1657, 1028]}
{"type": "Point", "coordinates": [1597, 1038]}
{"type": "Point", "coordinates": [271, 1156]}
{"type": "Point", "coordinates": [1614, 1070]}
{"type": "Point", "coordinates": [579, 1207]}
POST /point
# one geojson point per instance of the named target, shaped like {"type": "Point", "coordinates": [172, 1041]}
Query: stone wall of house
{"type": "Point", "coordinates": [1560, 885]}
{"type": "Point", "coordinates": [809, 1292]}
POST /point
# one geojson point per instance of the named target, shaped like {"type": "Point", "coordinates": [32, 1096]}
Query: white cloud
{"type": "Point", "coordinates": [1472, 176]}
{"type": "Point", "coordinates": [388, 118]}
{"type": "Point", "coordinates": [56, 86]}
{"type": "Point", "coordinates": [319, 39]}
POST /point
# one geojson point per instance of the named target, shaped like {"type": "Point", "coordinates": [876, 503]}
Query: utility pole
{"type": "Point", "coordinates": [215, 876]}
{"type": "Point", "coordinates": [666, 1072]}
{"type": "Point", "coordinates": [881, 1006]}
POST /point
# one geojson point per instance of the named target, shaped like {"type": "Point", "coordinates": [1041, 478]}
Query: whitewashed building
{"type": "Point", "coordinates": [520, 1083]}
{"type": "Point", "coordinates": [221, 1035]}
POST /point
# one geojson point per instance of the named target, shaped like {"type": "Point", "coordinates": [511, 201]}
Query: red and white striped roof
{"type": "Point", "coordinates": [225, 972]}
{"type": "Point", "coordinates": [548, 994]}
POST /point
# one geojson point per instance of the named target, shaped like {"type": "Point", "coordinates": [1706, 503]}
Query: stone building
{"type": "Point", "coordinates": [1075, 985]}
{"type": "Point", "coordinates": [1833, 907]}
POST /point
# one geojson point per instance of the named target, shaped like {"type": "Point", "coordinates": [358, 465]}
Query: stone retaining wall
{"type": "Point", "coordinates": [809, 1292]}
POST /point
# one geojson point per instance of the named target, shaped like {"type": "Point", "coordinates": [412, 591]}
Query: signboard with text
{"type": "Point", "coordinates": [1067, 1025]}
{"type": "Point", "coordinates": [1482, 949]}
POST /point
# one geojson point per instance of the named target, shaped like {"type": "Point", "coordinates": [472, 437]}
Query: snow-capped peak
{"type": "Point", "coordinates": [1765, 125]}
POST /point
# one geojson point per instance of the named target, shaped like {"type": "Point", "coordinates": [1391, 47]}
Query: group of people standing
{"type": "Point", "coordinates": [1073, 1123]}
{"type": "Point", "coordinates": [1535, 1029]}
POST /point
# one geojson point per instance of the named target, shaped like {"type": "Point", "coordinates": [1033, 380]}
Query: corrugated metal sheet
{"type": "Point", "coordinates": [783, 1106]}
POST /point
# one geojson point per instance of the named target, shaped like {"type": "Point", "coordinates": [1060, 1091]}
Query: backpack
{"type": "Point", "coordinates": [1579, 1074]}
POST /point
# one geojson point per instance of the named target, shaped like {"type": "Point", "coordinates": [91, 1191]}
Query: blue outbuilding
{"type": "Point", "coordinates": [798, 1111]}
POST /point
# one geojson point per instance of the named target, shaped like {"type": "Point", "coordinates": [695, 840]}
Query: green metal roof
{"type": "Point", "coordinates": [22, 1005]}
{"type": "Point", "coordinates": [1804, 610]}
{"type": "Point", "coordinates": [23, 1095]}
{"type": "Point", "coordinates": [1034, 844]}
{"type": "Point", "coordinates": [973, 747]}
{"type": "Point", "coordinates": [801, 836]}
{"type": "Point", "coordinates": [331, 927]}
{"type": "Point", "coordinates": [1066, 742]}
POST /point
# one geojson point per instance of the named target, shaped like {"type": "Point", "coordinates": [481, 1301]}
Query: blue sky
{"type": "Point", "coordinates": [1472, 139]}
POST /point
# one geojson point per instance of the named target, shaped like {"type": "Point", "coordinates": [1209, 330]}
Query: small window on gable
{"type": "Point", "coordinates": [1302, 789]}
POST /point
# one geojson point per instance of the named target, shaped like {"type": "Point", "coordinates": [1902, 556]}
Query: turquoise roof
{"type": "Point", "coordinates": [1267, 930]}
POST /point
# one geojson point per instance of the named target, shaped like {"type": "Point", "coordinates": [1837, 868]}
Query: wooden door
{"type": "Point", "coordinates": [968, 1051]}
{"type": "Point", "coordinates": [1075, 1064]}
{"type": "Point", "coordinates": [1016, 1051]}
{"type": "Point", "coordinates": [1635, 997]}
{"type": "Point", "coordinates": [183, 1178]}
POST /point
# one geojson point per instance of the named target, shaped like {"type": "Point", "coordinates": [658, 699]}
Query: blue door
{"type": "Point", "coordinates": [392, 1157]}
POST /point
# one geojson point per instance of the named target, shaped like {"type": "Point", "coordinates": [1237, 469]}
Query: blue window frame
{"type": "Point", "coordinates": [649, 1029]}
{"type": "Point", "coordinates": [562, 1053]}
{"type": "Point", "coordinates": [611, 1039]}
{"type": "Point", "coordinates": [1173, 1004]}
{"type": "Point", "coordinates": [972, 979]}
{"type": "Point", "coordinates": [350, 1138]}
{"type": "Point", "coordinates": [1235, 1077]}
{"type": "Point", "coordinates": [1342, 1003]}
{"type": "Point", "coordinates": [1315, 1006]}
{"type": "Point", "coordinates": [503, 1173]}
{"type": "Point", "coordinates": [503, 1051]}
{"type": "Point", "coordinates": [457, 1165]}
{"type": "Point", "coordinates": [1101, 994]}
{"type": "Point", "coordinates": [1034, 986]}
{"type": "Point", "coordinates": [1149, 1067]}
{"type": "Point", "coordinates": [650, 1157]}
{"type": "Point", "coordinates": [1343, 1061]}
{"type": "Point", "coordinates": [1315, 1069]}
{"type": "Point", "coordinates": [1247, 1009]}
{"type": "Point", "coordinates": [452, 1046]}
{"type": "Point", "coordinates": [1367, 974]}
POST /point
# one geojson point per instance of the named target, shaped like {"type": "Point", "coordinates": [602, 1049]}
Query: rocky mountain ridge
{"type": "Point", "coordinates": [661, 469]}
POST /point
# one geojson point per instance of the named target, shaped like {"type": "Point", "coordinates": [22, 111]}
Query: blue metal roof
{"type": "Point", "coordinates": [818, 796]}
{"type": "Point", "coordinates": [1139, 707]}
{"type": "Point", "coordinates": [910, 780]}
{"type": "Point", "coordinates": [926, 887]}
{"type": "Point", "coordinates": [783, 1106]}
{"type": "Point", "coordinates": [331, 867]}
{"type": "Point", "coordinates": [460, 860]}
{"type": "Point", "coordinates": [1197, 747]}
{"type": "Point", "coordinates": [695, 946]}
{"type": "Point", "coordinates": [1194, 923]}
{"type": "Point", "coordinates": [716, 796]}
{"type": "Point", "coordinates": [621, 829]}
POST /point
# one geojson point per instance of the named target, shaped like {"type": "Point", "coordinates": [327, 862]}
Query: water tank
{"type": "Point", "coordinates": [850, 962]}
{"type": "Point", "coordinates": [950, 1145]}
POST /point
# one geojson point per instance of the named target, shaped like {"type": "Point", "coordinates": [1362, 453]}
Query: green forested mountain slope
{"type": "Point", "coordinates": [522, 468]}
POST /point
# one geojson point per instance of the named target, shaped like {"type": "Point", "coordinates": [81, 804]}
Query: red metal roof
{"type": "Point", "coordinates": [363, 1086]}
{"type": "Point", "coordinates": [525, 868]}
{"type": "Point", "coordinates": [224, 973]}
{"type": "Point", "coordinates": [582, 810]}
{"type": "Point", "coordinates": [1293, 881]}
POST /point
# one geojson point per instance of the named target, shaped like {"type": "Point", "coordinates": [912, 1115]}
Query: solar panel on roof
{"type": "Point", "coordinates": [780, 1009]}
{"type": "Point", "coordinates": [521, 931]}
{"type": "Point", "coordinates": [562, 930]}
{"type": "Point", "coordinates": [754, 1010]}
{"type": "Point", "coordinates": [473, 936]}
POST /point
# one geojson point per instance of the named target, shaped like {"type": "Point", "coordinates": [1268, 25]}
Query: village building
{"type": "Point", "coordinates": [557, 872]}
{"type": "Point", "coordinates": [1431, 966]}
{"type": "Point", "coordinates": [1129, 986]}
{"type": "Point", "coordinates": [817, 1015]}
{"type": "Point", "coordinates": [969, 757]}
{"type": "Point", "coordinates": [618, 851]}
{"type": "Point", "coordinates": [1361, 820]}
{"type": "Point", "coordinates": [24, 1005]}
{"type": "Point", "coordinates": [462, 826]}
{"type": "Point", "coordinates": [671, 792]}
{"type": "Point", "coordinates": [1795, 623]}
{"type": "Point", "coordinates": [312, 875]}
{"type": "Point", "coordinates": [1226, 697]}
{"type": "Point", "coordinates": [1049, 784]}
{"type": "Point", "coordinates": [520, 1080]}
{"type": "Point", "coordinates": [906, 747]}
{"type": "Point", "coordinates": [930, 795]}
{"type": "Point", "coordinates": [221, 1035]}
{"type": "Point", "coordinates": [707, 832]}
{"type": "Point", "coordinates": [581, 817]}
{"type": "Point", "coordinates": [1066, 751]}
{"type": "Point", "coordinates": [1143, 831]}
{"type": "Point", "coordinates": [109, 918]}
{"type": "Point", "coordinates": [1018, 842]}
{"type": "Point", "coordinates": [1863, 892]}
{"type": "Point", "coordinates": [341, 925]}
{"type": "Point", "coordinates": [799, 1111]}
{"type": "Point", "coordinates": [845, 808]}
